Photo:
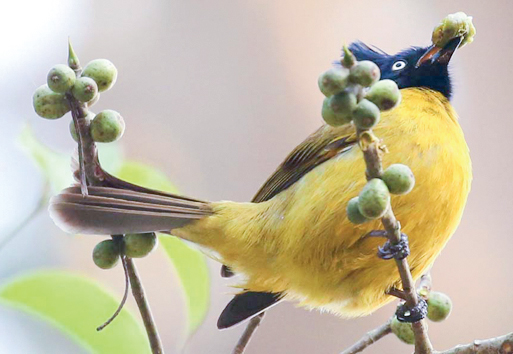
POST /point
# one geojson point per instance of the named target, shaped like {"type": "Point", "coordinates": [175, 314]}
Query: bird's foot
{"type": "Point", "coordinates": [390, 250]}
{"type": "Point", "coordinates": [410, 315]}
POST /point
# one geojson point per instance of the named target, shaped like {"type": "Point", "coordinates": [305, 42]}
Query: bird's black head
{"type": "Point", "coordinates": [412, 67]}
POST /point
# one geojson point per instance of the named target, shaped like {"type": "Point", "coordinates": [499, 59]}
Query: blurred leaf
{"type": "Point", "coordinates": [56, 166]}
{"type": "Point", "coordinates": [77, 306]}
{"type": "Point", "coordinates": [145, 176]}
{"type": "Point", "coordinates": [189, 263]}
{"type": "Point", "coordinates": [111, 157]}
{"type": "Point", "coordinates": [192, 269]}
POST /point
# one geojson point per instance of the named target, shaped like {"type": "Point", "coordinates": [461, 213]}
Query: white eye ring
{"type": "Point", "coordinates": [399, 65]}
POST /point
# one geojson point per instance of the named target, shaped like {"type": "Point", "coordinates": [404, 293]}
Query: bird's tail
{"type": "Point", "coordinates": [123, 208]}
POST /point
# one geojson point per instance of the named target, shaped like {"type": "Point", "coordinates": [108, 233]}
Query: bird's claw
{"type": "Point", "coordinates": [410, 315]}
{"type": "Point", "coordinates": [389, 250]}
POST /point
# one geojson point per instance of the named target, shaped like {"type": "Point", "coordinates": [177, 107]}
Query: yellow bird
{"type": "Point", "coordinates": [294, 241]}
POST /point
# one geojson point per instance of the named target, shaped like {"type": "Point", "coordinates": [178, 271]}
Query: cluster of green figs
{"type": "Point", "coordinates": [65, 87]}
{"type": "Point", "coordinates": [355, 94]}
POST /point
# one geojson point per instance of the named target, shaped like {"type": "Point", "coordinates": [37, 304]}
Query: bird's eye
{"type": "Point", "coordinates": [398, 65]}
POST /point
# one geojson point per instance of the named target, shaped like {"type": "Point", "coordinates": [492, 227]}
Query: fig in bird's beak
{"type": "Point", "coordinates": [454, 31]}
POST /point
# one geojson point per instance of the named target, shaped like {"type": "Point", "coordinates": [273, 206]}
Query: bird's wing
{"type": "Point", "coordinates": [326, 143]}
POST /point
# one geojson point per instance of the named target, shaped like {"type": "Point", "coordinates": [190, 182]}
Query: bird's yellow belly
{"type": "Point", "coordinates": [301, 242]}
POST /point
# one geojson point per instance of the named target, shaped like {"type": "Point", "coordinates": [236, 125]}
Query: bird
{"type": "Point", "coordinates": [293, 241]}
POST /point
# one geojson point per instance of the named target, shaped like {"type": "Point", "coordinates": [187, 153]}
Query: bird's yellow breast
{"type": "Point", "coordinates": [301, 243]}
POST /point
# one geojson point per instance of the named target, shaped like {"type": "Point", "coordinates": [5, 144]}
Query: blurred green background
{"type": "Point", "coordinates": [215, 94]}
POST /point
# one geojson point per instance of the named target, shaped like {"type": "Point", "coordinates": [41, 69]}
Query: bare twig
{"type": "Point", "coordinates": [369, 338]}
{"type": "Point", "coordinates": [498, 345]}
{"type": "Point", "coordinates": [123, 300]}
{"type": "Point", "coordinates": [372, 151]}
{"type": "Point", "coordinates": [144, 307]}
{"type": "Point", "coordinates": [91, 173]}
{"type": "Point", "coordinates": [248, 333]}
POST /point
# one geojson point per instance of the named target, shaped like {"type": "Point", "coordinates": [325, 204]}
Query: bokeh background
{"type": "Point", "coordinates": [215, 94]}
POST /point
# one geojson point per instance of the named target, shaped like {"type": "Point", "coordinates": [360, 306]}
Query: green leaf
{"type": "Point", "coordinates": [189, 263]}
{"type": "Point", "coordinates": [111, 157]}
{"type": "Point", "coordinates": [77, 306]}
{"type": "Point", "coordinates": [145, 176]}
{"type": "Point", "coordinates": [56, 166]}
{"type": "Point", "coordinates": [192, 269]}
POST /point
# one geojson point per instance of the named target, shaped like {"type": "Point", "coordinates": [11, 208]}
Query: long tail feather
{"type": "Point", "coordinates": [111, 211]}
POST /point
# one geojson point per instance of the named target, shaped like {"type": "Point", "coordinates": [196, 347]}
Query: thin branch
{"type": "Point", "coordinates": [91, 173]}
{"type": "Point", "coordinates": [498, 345]}
{"type": "Point", "coordinates": [369, 338]}
{"type": "Point", "coordinates": [248, 333]}
{"type": "Point", "coordinates": [372, 151]}
{"type": "Point", "coordinates": [123, 300]}
{"type": "Point", "coordinates": [144, 307]}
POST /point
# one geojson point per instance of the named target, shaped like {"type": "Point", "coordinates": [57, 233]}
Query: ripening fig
{"type": "Point", "coordinates": [85, 89]}
{"type": "Point", "coordinates": [103, 72]}
{"type": "Point", "coordinates": [49, 104]}
{"type": "Point", "coordinates": [365, 73]}
{"type": "Point", "coordinates": [452, 26]}
{"type": "Point", "coordinates": [73, 131]}
{"type": "Point", "coordinates": [107, 126]}
{"type": "Point", "coordinates": [366, 114]}
{"type": "Point", "coordinates": [106, 254]}
{"type": "Point", "coordinates": [337, 110]}
{"type": "Point", "coordinates": [353, 212]}
{"type": "Point", "coordinates": [399, 179]}
{"type": "Point", "coordinates": [374, 199]}
{"type": "Point", "coordinates": [343, 103]}
{"type": "Point", "coordinates": [333, 81]}
{"type": "Point", "coordinates": [60, 78]}
{"type": "Point", "coordinates": [331, 118]}
{"type": "Point", "coordinates": [139, 245]}
{"type": "Point", "coordinates": [439, 306]}
{"type": "Point", "coordinates": [384, 94]}
{"type": "Point", "coordinates": [403, 331]}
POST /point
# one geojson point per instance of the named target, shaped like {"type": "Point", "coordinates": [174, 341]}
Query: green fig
{"type": "Point", "coordinates": [439, 306]}
{"type": "Point", "coordinates": [49, 104]}
{"type": "Point", "coordinates": [384, 94]}
{"type": "Point", "coordinates": [61, 78]}
{"type": "Point", "coordinates": [366, 114]}
{"type": "Point", "coordinates": [139, 245]}
{"type": "Point", "coordinates": [85, 89]}
{"type": "Point", "coordinates": [106, 254]}
{"type": "Point", "coordinates": [399, 179]}
{"type": "Point", "coordinates": [403, 331]}
{"type": "Point", "coordinates": [107, 126]}
{"type": "Point", "coordinates": [333, 81]}
{"type": "Point", "coordinates": [353, 212]}
{"type": "Point", "coordinates": [365, 73]}
{"type": "Point", "coordinates": [103, 72]}
{"type": "Point", "coordinates": [374, 199]}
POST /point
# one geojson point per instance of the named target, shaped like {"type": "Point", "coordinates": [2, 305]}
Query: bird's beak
{"type": "Point", "coordinates": [440, 55]}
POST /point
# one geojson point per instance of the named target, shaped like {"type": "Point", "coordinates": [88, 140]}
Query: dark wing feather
{"type": "Point", "coordinates": [326, 143]}
{"type": "Point", "coordinates": [244, 306]}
